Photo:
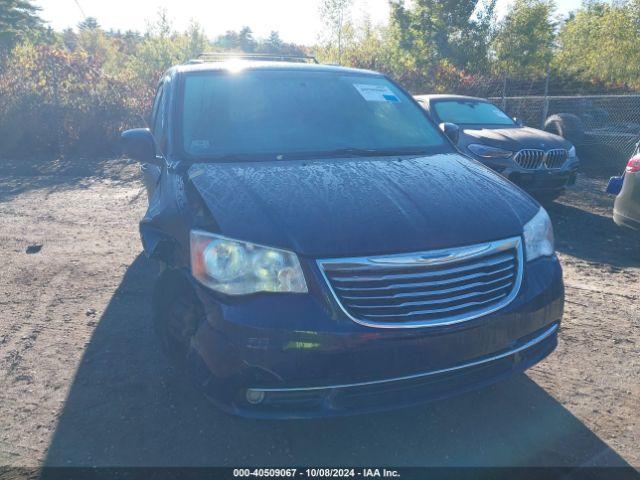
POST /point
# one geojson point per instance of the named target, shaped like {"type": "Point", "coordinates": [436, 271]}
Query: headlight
{"type": "Point", "coordinates": [572, 152]}
{"type": "Point", "coordinates": [485, 151]}
{"type": "Point", "coordinates": [239, 268]}
{"type": "Point", "coordinates": [538, 236]}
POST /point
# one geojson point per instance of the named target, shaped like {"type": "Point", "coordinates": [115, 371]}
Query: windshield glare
{"type": "Point", "coordinates": [471, 112]}
{"type": "Point", "coordinates": [293, 112]}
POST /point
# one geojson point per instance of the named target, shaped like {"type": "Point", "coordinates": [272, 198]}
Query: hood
{"type": "Point", "coordinates": [352, 207]}
{"type": "Point", "coordinates": [515, 138]}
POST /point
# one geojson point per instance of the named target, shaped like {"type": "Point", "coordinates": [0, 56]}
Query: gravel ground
{"type": "Point", "coordinates": [82, 381]}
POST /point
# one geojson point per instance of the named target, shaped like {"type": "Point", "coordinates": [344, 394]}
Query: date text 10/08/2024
{"type": "Point", "coordinates": [316, 473]}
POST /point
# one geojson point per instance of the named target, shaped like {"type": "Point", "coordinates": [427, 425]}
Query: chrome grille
{"type": "Point", "coordinates": [555, 158]}
{"type": "Point", "coordinates": [530, 159]}
{"type": "Point", "coordinates": [438, 287]}
{"type": "Point", "coordinates": [533, 159]}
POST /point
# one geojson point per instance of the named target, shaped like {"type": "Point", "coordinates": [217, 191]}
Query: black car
{"type": "Point", "coordinates": [326, 248]}
{"type": "Point", "coordinates": [540, 162]}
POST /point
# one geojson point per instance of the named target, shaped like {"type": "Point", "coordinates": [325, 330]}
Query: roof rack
{"type": "Point", "coordinates": [222, 56]}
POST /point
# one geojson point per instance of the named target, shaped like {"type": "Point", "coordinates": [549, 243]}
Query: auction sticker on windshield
{"type": "Point", "coordinates": [376, 93]}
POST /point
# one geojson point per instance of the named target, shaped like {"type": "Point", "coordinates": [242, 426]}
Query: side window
{"type": "Point", "coordinates": [154, 109]}
{"type": "Point", "coordinates": [159, 121]}
{"type": "Point", "coordinates": [157, 115]}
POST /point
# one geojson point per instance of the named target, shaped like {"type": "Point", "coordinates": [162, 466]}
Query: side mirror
{"type": "Point", "coordinates": [139, 145]}
{"type": "Point", "coordinates": [452, 131]}
{"type": "Point", "coordinates": [518, 121]}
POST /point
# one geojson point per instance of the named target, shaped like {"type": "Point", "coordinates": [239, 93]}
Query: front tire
{"type": "Point", "coordinates": [177, 313]}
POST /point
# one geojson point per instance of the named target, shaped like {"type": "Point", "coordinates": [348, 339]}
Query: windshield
{"type": "Point", "coordinates": [471, 112]}
{"type": "Point", "coordinates": [300, 113]}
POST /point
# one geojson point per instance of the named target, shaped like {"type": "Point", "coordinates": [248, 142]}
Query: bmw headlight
{"type": "Point", "coordinates": [538, 236]}
{"type": "Point", "coordinates": [235, 267]}
{"type": "Point", "coordinates": [486, 151]}
{"type": "Point", "coordinates": [572, 152]}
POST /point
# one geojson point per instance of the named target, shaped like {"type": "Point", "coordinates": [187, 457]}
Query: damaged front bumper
{"type": "Point", "coordinates": [297, 356]}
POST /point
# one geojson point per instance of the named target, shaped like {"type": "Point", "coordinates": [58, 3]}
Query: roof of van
{"type": "Point", "coordinates": [240, 64]}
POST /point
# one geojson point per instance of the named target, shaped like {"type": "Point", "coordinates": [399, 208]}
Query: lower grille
{"type": "Point", "coordinates": [533, 159]}
{"type": "Point", "coordinates": [432, 288]}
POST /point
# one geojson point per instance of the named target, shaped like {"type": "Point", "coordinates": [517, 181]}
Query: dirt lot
{"type": "Point", "coordinates": [82, 381]}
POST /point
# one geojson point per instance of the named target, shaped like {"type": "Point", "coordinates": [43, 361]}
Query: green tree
{"type": "Point", "coordinates": [242, 40]}
{"type": "Point", "coordinates": [246, 42]}
{"type": "Point", "coordinates": [89, 23]}
{"type": "Point", "coordinates": [336, 16]}
{"type": "Point", "coordinates": [160, 49]}
{"type": "Point", "coordinates": [94, 42]}
{"type": "Point", "coordinates": [69, 38]}
{"type": "Point", "coordinates": [600, 43]}
{"type": "Point", "coordinates": [130, 41]}
{"type": "Point", "coordinates": [457, 32]}
{"type": "Point", "coordinates": [228, 41]}
{"type": "Point", "coordinates": [196, 40]}
{"type": "Point", "coordinates": [273, 43]}
{"type": "Point", "coordinates": [19, 21]}
{"type": "Point", "coordinates": [474, 51]}
{"type": "Point", "coordinates": [525, 39]}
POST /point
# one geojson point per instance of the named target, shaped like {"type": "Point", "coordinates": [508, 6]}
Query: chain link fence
{"type": "Point", "coordinates": [590, 120]}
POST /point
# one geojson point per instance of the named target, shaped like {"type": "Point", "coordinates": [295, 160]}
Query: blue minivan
{"type": "Point", "coordinates": [326, 250]}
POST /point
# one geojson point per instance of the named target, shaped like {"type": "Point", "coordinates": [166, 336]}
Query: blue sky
{"type": "Point", "coordinates": [296, 20]}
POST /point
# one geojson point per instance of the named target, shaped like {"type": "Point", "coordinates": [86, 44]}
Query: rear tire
{"type": "Point", "coordinates": [567, 125]}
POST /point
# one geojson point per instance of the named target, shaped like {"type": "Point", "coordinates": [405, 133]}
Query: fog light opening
{"type": "Point", "coordinates": [254, 397]}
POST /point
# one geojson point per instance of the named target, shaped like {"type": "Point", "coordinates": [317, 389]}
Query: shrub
{"type": "Point", "coordinates": [56, 100]}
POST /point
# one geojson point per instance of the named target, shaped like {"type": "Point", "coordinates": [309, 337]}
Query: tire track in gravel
{"type": "Point", "coordinates": [23, 368]}
{"type": "Point", "coordinates": [44, 320]}
{"type": "Point", "coordinates": [17, 344]}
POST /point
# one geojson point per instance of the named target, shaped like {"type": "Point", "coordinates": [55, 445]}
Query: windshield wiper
{"type": "Point", "coordinates": [230, 157]}
{"type": "Point", "coordinates": [366, 152]}
{"type": "Point", "coordinates": [351, 152]}
{"type": "Point", "coordinates": [345, 152]}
